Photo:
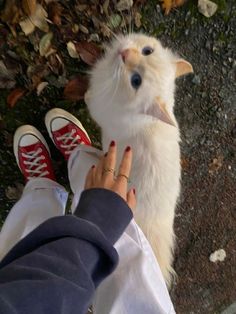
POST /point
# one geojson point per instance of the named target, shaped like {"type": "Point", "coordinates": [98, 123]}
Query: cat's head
{"type": "Point", "coordinates": [134, 83]}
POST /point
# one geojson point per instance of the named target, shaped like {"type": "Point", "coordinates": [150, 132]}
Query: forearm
{"type": "Point", "coordinates": [64, 259]}
{"type": "Point", "coordinates": [55, 278]}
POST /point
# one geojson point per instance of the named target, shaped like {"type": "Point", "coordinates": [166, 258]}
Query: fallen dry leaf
{"type": "Point", "coordinates": [89, 52]}
{"type": "Point", "coordinates": [72, 50]}
{"type": "Point", "coordinates": [105, 7]}
{"type": "Point", "coordinates": [184, 162]}
{"type": "Point", "coordinates": [29, 6]}
{"type": "Point", "coordinates": [55, 12]}
{"type": "Point", "coordinates": [123, 5]}
{"type": "Point", "coordinates": [38, 19]}
{"type": "Point", "coordinates": [137, 19]}
{"type": "Point", "coordinates": [76, 88]}
{"type": "Point", "coordinates": [167, 5]}
{"type": "Point", "coordinates": [11, 13]}
{"type": "Point", "coordinates": [14, 96]}
{"type": "Point", "coordinates": [216, 164]}
{"type": "Point", "coordinates": [7, 76]}
{"type": "Point", "coordinates": [45, 44]}
{"type": "Point", "coordinates": [14, 192]}
{"type": "Point", "coordinates": [41, 87]}
{"type": "Point", "coordinates": [105, 30]}
{"type": "Point", "coordinates": [114, 21]}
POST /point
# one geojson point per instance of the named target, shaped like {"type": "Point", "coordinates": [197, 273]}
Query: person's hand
{"type": "Point", "coordinates": [102, 175]}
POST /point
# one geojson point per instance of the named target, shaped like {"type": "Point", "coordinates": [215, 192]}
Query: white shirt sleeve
{"type": "Point", "coordinates": [137, 285]}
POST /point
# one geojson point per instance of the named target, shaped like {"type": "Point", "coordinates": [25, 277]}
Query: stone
{"type": "Point", "coordinates": [218, 255]}
{"type": "Point", "coordinates": [207, 7]}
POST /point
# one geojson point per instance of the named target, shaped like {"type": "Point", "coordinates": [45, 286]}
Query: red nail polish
{"type": "Point", "coordinates": [105, 155]}
{"type": "Point", "coordinates": [113, 143]}
{"type": "Point", "coordinates": [128, 148]}
{"type": "Point", "coordinates": [134, 191]}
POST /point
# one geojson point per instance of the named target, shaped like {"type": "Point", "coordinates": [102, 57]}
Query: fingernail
{"type": "Point", "coordinates": [128, 148]}
{"type": "Point", "coordinates": [105, 155]}
{"type": "Point", "coordinates": [134, 191]}
{"type": "Point", "coordinates": [93, 166]}
{"type": "Point", "coordinates": [113, 143]}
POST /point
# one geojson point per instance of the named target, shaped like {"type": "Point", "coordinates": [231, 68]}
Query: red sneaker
{"type": "Point", "coordinates": [65, 131]}
{"type": "Point", "coordinates": [32, 153]}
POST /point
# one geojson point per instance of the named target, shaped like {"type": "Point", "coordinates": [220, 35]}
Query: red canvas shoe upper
{"type": "Point", "coordinates": [35, 161]}
{"type": "Point", "coordinates": [68, 138]}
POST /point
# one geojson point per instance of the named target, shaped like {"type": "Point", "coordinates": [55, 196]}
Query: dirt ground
{"type": "Point", "coordinates": [206, 111]}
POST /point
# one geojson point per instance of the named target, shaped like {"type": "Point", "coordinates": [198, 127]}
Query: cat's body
{"type": "Point", "coordinates": [132, 114]}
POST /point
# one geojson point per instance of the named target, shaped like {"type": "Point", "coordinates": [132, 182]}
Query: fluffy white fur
{"type": "Point", "coordinates": [122, 113]}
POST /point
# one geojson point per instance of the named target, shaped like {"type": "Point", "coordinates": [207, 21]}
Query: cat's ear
{"type": "Point", "coordinates": [183, 67]}
{"type": "Point", "coordinates": [159, 111]}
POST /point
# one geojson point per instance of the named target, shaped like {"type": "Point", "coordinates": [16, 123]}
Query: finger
{"type": "Point", "coordinates": [110, 163]}
{"type": "Point", "coordinates": [99, 170]}
{"type": "Point", "coordinates": [89, 178]}
{"type": "Point", "coordinates": [131, 199]}
{"type": "Point", "coordinates": [125, 166]}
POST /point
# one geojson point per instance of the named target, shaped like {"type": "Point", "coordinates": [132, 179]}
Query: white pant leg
{"type": "Point", "coordinates": [79, 163]}
{"type": "Point", "coordinates": [41, 199]}
{"type": "Point", "coordinates": [137, 285]}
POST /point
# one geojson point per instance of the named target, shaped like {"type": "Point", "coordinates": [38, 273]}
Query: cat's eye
{"type": "Point", "coordinates": [147, 51]}
{"type": "Point", "coordinates": [136, 80]}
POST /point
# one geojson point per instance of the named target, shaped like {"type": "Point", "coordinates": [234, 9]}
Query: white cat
{"type": "Point", "coordinates": [131, 96]}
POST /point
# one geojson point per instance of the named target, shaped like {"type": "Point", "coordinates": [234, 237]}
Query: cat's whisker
{"type": "Point", "coordinates": [114, 34]}
{"type": "Point", "coordinates": [117, 78]}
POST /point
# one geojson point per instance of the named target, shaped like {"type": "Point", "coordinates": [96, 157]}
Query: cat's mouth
{"type": "Point", "coordinates": [158, 110]}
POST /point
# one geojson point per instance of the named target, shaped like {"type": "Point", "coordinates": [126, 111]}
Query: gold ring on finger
{"type": "Point", "coordinates": [123, 175]}
{"type": "Point", "coordinates": [108, 170]}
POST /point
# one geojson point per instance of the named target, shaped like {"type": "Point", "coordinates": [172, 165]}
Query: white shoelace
{"type": "Point", "coordinates": [69, 137]}
{"type": "Point", "coordinates": [33, 161]}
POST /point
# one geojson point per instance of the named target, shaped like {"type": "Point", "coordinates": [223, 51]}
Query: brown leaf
{"type": "Point", "coordinates": [11, 13]}
{"type": "Point", "coordinates": [76, 88]}
{"type": "Point", "coordinates": [137, 19]}
{"type": "Point", "coordinates": [216, 164]}
{"type": "Point", "coordinates": [14, 192]}
{"type": "Point", "coordinates": [184, 162]}
{"type": "Point", "coordinates": [167, 5]}
{"type": "Point", "coordinates": [45, 44]}
{"type": "Point", "coordinates": [89, 52]}
{"type": "Point", "coordinates": [55, 12]}
{"type": "Point", "coordinates": [14, 96]}
{"type": "Point", "coordinates": [38, 19]}
{"type": "Point", "coordinates": [29, 6]}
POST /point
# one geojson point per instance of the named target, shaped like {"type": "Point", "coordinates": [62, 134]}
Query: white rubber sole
{"type": "Point", "coordinates": [23, 131]}
{"type": "Point", "coordinates": [60, 113]}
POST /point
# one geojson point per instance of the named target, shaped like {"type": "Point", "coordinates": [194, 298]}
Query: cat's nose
{"type": "Point", "coordinates": [125, 54]}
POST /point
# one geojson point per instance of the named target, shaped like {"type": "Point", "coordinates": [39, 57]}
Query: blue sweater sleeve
{"type": "Point", "coordinates": [57, 267]}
